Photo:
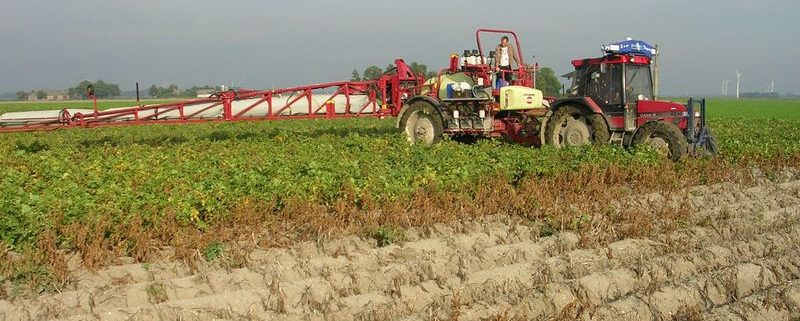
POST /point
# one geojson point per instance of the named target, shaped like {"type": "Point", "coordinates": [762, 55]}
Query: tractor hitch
{"type": "Point", "coordinates": [702, 141]}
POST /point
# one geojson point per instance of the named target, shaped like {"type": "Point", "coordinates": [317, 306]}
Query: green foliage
{"type": "Point", "coordinates": [101, 89]}
{"type": "Point", "coordinates": [422, 69]}
{"type": "Point", "coordinates": [756, 127]}
{"type": "Point", "coordinates": [198, 173]}
{"type": "Point", "coordinates": [23, 95]}
{"type": "Point", "coordinates": [161, 92]}
{"type": "Point", "coordinates": [193, 91]}
{"type": "Point", "coordinates": [32, 147]}
{"type": "Point", "coordinates": [355, 76]}
{"type": "Point", "coordinates": [28, 276]}
{"type": "Point", "coordinates": [416, 67]}
{"type": "Point", "coordinates": [547, 82]}
{"type": "Point", "coordinates": [213, 251]}
{"type": "Point", "coordinates": [547, 228]}
{"type": "Point", "coordinates": [372, 73]}
{"type": "Point", "coordinates": [157, 293]}
{"type": "Point", "coordinates": [172, 91]}
{"type": "Point", "coordinates": [386, 235]}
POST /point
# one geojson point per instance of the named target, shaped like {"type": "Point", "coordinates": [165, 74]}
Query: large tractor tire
{"type": "Point", "coordinates": [422, 124]}
{"type": "Point", "coordinates": [574, 126]}
{"type": "Point", "coordinates": [664, 137]}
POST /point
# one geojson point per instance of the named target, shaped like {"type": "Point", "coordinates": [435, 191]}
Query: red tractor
{"type": "Point", "coordinates": [610, 100]}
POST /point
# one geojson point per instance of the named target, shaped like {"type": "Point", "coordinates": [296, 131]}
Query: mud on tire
{"type": "Point", "coordinates": [571, 126]}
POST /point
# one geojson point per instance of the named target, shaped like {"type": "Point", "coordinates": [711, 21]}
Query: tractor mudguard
{"type": "Point", "coordinates": [433, 101]}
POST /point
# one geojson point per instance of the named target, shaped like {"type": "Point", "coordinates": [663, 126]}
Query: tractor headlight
{"type": "Point", "coordinates": [697, 114]}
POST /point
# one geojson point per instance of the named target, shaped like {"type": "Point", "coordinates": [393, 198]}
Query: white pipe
{"type": "Point", "coordinates": [300, 107]}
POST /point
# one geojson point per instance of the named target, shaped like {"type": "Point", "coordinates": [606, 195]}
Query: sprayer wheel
{"type": "Point", "coordinates": [422, 124]}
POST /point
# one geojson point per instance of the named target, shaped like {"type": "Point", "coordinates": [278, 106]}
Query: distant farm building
{"type": "Point", "coordinates": [48, 95]}
{"type": "Point", "coordinates": [204, 93]}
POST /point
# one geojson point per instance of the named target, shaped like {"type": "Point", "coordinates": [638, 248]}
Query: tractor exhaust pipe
{"type": "Point", "coordinates": [655, 74]}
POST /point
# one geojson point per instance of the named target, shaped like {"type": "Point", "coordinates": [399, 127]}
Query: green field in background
{"type": "Point", "coordinates": [10, 106]}
{"type": "Point", "coordinates": [756, 108]}
{"type": "Point", "coordinates": [718, 107]}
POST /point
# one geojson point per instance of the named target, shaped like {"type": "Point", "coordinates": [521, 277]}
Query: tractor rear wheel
{"type": "Point", "coordinates": [422, 124]}
{"type": "Point", "coordinates": [664, 137]}
{"type": "Point", "coordinates": [572, 126]}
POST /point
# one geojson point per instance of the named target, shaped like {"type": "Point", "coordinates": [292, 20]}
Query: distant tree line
{"type": "Point", "coordinates": [102, 89]}
{"type": "Point", "coordinates": [24, 95]}
{"type": "Point", "coordinates": [375, 72]}
{"type": "Point", "coordinates": [172, 91]}
{"type": "Point", "coordinates": [759, 94]}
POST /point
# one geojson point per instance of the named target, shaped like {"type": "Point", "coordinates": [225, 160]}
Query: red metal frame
{"type": "Point", "coordinates": [612, 59]}
{"type": "Point", "coordinates": [385, 97]}
{"type": "Point", "coordinates": [523, 76]}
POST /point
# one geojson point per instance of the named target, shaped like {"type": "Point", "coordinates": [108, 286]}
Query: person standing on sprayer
{"type": "Point", "coordinates": [504, 54]}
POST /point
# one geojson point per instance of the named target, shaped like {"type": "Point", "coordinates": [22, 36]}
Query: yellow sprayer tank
{"type": "Point", "coordinates": [520, 98]}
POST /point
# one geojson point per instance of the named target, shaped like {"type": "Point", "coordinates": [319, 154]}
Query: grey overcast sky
{"type": "Point", "coordinates": [266, 44]}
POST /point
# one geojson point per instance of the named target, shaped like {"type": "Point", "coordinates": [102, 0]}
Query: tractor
{"type": "Point", "coordinates": [610, 100]}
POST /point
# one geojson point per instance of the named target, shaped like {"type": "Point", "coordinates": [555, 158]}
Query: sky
{"type": "Point", "coordinates": [274, 44]}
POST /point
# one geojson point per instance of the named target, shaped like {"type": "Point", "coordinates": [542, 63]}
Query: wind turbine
{"type": "Point", "coordinates": [725, 87]}
{"type": "Point", "coordinates": [738, 78]}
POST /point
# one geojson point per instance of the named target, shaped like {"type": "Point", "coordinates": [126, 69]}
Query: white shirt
{"type": "Point", "coordinates": [504, 57]}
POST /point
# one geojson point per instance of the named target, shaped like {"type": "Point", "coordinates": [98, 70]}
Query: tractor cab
{"type": "Point", "coordinates": [621, 78]}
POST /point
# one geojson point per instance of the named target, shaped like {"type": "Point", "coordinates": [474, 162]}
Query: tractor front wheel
{"type": "Point", "coordinates": [422, 124]}
{"type": "Point", "coordinates": [664, 137]}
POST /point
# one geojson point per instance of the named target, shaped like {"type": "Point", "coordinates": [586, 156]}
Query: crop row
{"type": "Point", "coordinates": [200, 176]}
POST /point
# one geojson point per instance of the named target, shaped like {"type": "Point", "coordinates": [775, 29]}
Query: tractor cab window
{"type": "Point", "coordinates": [604, 84]}
{"type": "Point", "coordinates": [638, 83]}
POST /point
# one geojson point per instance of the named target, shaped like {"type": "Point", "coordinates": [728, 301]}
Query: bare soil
{"type": "Point", "coordinates": [735, 257]}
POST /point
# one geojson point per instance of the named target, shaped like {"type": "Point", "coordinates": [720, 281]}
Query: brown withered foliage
{"type": "Point", "coordinates": [593, 201]}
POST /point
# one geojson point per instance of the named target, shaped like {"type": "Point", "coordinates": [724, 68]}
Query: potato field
{"type": "Point", "coordinates": [316, 219]}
